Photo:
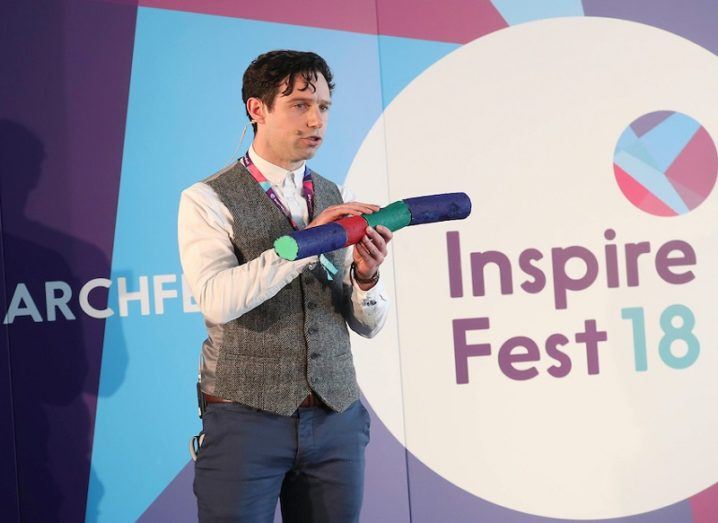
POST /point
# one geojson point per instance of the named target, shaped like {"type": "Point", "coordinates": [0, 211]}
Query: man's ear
{"type": "Point", "coordinates": [256, 110]}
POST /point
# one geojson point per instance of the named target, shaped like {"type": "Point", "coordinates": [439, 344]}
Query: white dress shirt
{"type": "Point", "coordinates": [223, 288]}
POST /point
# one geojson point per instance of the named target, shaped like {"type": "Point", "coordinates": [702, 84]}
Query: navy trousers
{"type": "Point", "coordinates": [312, 461]}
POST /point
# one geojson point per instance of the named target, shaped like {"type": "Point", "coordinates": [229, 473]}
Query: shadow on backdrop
{"type": "Point", "coordinates": [54, 354]}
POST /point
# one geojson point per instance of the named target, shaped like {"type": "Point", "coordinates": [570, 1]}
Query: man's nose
{"type": "Point", "coordinates": [314, 120]}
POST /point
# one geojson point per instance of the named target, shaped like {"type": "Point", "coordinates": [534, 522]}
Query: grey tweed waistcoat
{"type": "Point", "coordinates": [271, 356]}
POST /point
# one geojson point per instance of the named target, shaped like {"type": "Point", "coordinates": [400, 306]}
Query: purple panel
{"type": "Point", "coordinates": [386, 483]}
{"type": "Point", "coordinates": [648, 121]}
{"type": "Point", "coordinates": [63, 88]}
{"type": "Point", "coordinates": [177, 502]}
{"type": "Point", "coordinates": [9, 500]}
{"type": "Point", "coordinates": [691, 19]}
{"type": "Point", "coordinates": [435, 499]}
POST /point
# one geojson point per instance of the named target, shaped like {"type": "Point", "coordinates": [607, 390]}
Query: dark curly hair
{"type": "Point", "coordinates": [269, 70]}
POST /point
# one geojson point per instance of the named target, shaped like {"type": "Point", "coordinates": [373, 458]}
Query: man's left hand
{"type": "Point", "coordinates": [370, 252]}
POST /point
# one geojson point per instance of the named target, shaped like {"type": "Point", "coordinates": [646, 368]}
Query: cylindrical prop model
{"type": "Point", "coordinates": [349, 230]}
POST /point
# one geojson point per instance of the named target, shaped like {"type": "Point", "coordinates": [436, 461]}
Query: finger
{"type": "Point", "coordinates": [377, 240]}
{"type": "Point", "coordinates": [334, 213]}
{"type": "Point", "coordinates": [360, 210]}
{"type": "Point", "coordinates": [372, 248]}
{"type": "Point", "coordinates": [364, 254]}
{"type": "Point", "coordinates": [365, 267]}
{"type": "Point", "coordinates": [385, 233]}
{"type": "Point", "coordinates": [372, 206]}
{"type": "Point", "coordinates": [367, 208]}
{"type": "Point", "coordinates": [340, 211]}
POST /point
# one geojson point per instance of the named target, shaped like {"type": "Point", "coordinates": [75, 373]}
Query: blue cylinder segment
{"type": "Point", "coordinates": [333, 236]}
{"type": "Point", "coordinates": [438, 207]}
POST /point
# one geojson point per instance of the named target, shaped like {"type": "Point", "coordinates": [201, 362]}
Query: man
{"type": "Point", "coordinates": [283, 417]}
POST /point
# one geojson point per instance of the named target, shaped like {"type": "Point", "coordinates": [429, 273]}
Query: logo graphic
{"type": "Point", "coordinates": [665, 163]}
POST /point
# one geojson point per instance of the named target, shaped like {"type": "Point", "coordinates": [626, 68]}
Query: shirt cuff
{"type": "Point", "coordinates": [363, 296]}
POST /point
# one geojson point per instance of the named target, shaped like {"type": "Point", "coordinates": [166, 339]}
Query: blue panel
{"type": "Point", "coordinates": [628, 138]}
{"type": "Point", "coordinates": [403, 59]}
{"type": "Point", "coordinates": [520, 11]}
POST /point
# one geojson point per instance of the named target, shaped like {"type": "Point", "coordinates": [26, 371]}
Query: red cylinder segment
{"type": "Point", "coordinates": [355, 227]}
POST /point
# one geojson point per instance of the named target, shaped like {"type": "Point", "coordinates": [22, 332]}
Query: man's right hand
{"type": "Point", "coordinates": [336, 212]}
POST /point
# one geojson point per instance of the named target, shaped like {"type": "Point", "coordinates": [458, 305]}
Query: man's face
{"type": "Point", "coordinates": [293, 129]}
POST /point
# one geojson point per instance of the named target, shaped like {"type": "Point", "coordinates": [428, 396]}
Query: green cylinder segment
{"type": "Point", "coordinates": [286, 247]}
{"type": "Point", "coordinates": [393, 217]}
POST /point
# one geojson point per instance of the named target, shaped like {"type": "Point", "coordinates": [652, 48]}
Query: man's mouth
{"type": "Point", "coordinates": [313, 140]}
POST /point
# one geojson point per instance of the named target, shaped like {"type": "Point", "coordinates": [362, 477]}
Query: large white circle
{"type": "Point", "coordinates": [525, 121]}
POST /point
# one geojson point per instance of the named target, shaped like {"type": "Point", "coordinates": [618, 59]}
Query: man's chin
{"type": "Point", "coordinates": [307, 154]}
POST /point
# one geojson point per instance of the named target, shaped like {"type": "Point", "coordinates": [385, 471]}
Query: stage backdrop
{"type": "Point", "coordinates": [552, 358]}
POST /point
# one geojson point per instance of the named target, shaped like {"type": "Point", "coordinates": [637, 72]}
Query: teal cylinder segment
{"type": "Point", "coordinates": [393, 217]}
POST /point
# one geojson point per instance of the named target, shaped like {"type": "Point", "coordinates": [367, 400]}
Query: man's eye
{"type": "Point", "coordinates": [323, 108]}
{"type": "Point", "coordinates": [301, 105]}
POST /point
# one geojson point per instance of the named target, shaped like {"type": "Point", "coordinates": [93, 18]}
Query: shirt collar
{"type": "Point", "coordinates": [274, 173]}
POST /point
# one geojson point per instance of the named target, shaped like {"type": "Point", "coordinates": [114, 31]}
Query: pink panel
{"type": "Point", "coordinates": [358, 16]}
{"type": "Point", "coordinates": [691, 198]}
{"type": "Point", "coordinates": [705, 505]}
{"type": "Point", "coordinates": [457, 21]}
{"type": "Point", "coordinates": [633, 190]}
{"type": "Point", "coordinates": [654, 206]}
{"type": "Point", "coordinates": [639, 196]}
{"type": "Point", "coordinates": [695, 169]}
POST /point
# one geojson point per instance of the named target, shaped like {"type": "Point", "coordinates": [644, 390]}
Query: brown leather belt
{"type": "Point", "coordinates": [208, 398]}
{"type": "Point", "coordinates": [312, 400]}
